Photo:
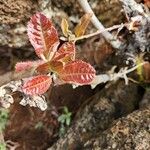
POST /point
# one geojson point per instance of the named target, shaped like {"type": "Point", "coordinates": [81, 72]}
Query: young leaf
{"type": "Point", "coordinates": [68, 121]}
{"type": "Point", "coordinates": [37, 85]}
{"type": "Point", "coordinates": [77, 72]}
{"type": "Point", "coordinates": [66, 52]}
{"type": "Point", "coordinates": [64, 27]}
{"type": "Point", "coordinates": [42, 35]}
{"type": "Point", "coordinates": [56, 66]}
{"type": "Point", "coordinates": [43, 68]}
{"type": "Point", "coordinates": [49, 67]}
{"type": "Point", "coordinates": [23, 66]}
{"type": "Point", "coordinates": [82, 25]}
{"type": "Point", "coordinates": [67, 47]}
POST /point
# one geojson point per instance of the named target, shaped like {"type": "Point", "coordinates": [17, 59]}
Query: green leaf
{"type": "Point", "coordinates": [2, 146]}
{"type": "Point", "coordinates": [65, 110]}
{"type": "Point", "coordinates": [62, 130]}
{"type": "Point", "coordinates": [62, 118]}
{"type": "Point", "coordinates": [68, 120]}
{"type": "Point", "coordinates": [3, 118]}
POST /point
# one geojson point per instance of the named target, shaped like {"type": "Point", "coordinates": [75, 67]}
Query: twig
{"type": "Point", "coordinates": [98, 32]}
{"type": "Point", "coordinates": [108, 36]}
{"type": "Point", "coordinates": [103, 78]}
{"type": "Point", "coordinates": [122, 73]}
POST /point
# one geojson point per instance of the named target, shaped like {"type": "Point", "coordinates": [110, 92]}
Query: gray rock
{"type": "Point", "coordinates": [127, 133]}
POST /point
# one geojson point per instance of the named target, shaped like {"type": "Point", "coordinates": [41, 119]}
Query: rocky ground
{"type": "Point", "coordinates": [111, 116]}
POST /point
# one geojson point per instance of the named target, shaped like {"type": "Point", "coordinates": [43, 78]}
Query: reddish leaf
{"type": "Point", "coordinates": [67, 47]}
{"type": "Point", "coordinates": [43, 68]}
{"type": "Point", "coordinates": [42, 35]}
{"type": "Point", "coordinates": [22, 66]}
{"type": "Point", "coordinates": [77, 72]}
{"type": "Point", "coordinates": [66, 52]}
{"type": "Point", "coordinates": [37, 85]}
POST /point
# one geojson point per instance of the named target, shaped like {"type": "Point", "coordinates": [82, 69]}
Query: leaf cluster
{"type": "Point", "coordinates": [56, 62]}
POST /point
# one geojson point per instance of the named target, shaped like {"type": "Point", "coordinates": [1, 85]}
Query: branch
{"type": "Point", "coordinates": [99, 32]}
{"type": "Point", "coordinates": [103, 78]}
{"type": "Point", "coordinates": [108, 36]}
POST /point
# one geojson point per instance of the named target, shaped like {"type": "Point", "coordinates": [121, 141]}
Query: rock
{"type": "Point", "coordinates": [130, 132]}
{"type": "Point", "coordinates": [98, 113]}
{"type": "Point", "coordinates": [14, 15]}
{"type": "Point", "coordinates": [15, 11]}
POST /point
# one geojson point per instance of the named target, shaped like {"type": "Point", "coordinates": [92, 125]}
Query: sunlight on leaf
{"type": "Point", "coordinates": [65, 27]}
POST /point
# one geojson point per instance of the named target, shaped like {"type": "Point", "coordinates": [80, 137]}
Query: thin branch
{"type": "Point", "coordinates": [103, 78]}
{"type": "Point", "coordinates": [98, 32]}
{"type": "Point", "coordinates": [122, 72]}
{"type": "Point", "coordinates": [108, 36]}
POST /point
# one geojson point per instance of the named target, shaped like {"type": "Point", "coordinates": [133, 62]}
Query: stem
{"type": "Point", "coordinates": [108, 36]}
{"type": "Point", "coordinates": [120, 75]}
{"type": "Point", "coordinates": [98, 32]}
{"type": "Point", "coordinates": [103, 78]}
